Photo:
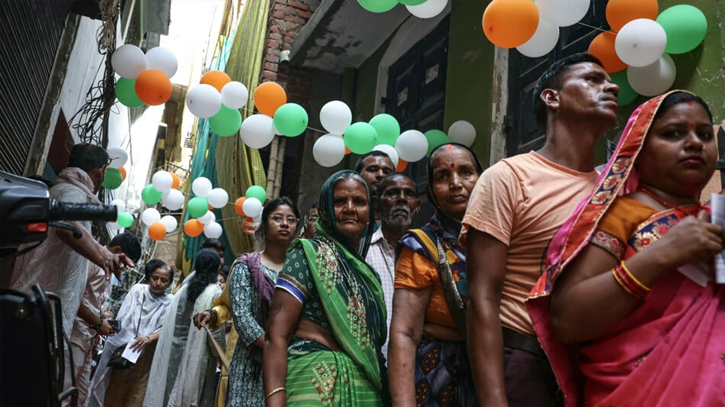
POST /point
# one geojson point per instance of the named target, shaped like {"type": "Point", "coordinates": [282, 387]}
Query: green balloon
{"type": "Point", "coordinates": [126, 92]}
{"type": "Point", "coordinates": [378, 6]}
{"type": "Point", "coordinates": [226, 122]}
{"type": "Point", "coordinates": [125, 219]}
{"type": "Point", "coordinates": [290, 120]}
{"type": "Point", "coordinates": [112, 179]}
{"type": "Point", "coordinates": [255, 191]}
{"type": "Point", "coordinates": [150, 195]}
{"type": "Point", "coordinates": [685, 26]}
{"type": "Point", "coordinates": [387, 127]}
{"type": "Point", "coordinates": [361, 137]}
{"type": "Point", "coordinates": [626, 95]}
{"type": "Point", "coordinates": [412, 2]}
{"type": "Point", "coordinates": [435, 138]}
{"type": "Point", "coordinates": [197, 206]}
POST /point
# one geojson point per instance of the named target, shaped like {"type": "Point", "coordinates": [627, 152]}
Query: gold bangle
{"type": "Point", "coordinates": [639, 283]}
{"type": "Point", "coordinates": [273, 392]}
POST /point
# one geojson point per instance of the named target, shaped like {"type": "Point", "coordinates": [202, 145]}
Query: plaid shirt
{"type": "Point", "coordinates": [381, 257]}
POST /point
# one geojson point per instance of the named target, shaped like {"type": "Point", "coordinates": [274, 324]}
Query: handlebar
{"type": "Point", "coordinates": [77, 211]}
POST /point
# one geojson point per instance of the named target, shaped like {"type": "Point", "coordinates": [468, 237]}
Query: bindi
{"type": "Point", "coordinates": [453, 165]}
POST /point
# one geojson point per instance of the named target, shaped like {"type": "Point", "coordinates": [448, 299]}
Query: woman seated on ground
{"type": "Point", "coordinates": [428, 361]}
{"type": "Point", "coordinates": [139, 318]}
{"type": "Point", "coordinates": [182, 372]}
{"type": "Point", "coordinates": [630, 274]}
{"type": "Point", "coordinates": [327, 322]}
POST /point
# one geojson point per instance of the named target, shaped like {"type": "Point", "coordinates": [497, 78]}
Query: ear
{"type": "Point", "coordinates": [415, 210]}
{"type": "Point", "coordinates": [550, 98]}
{"type": "Point", "coordinates": [115, 249]}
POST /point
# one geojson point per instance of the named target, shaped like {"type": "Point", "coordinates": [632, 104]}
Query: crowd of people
{"type": "Point", "coordinates": [537, 282]}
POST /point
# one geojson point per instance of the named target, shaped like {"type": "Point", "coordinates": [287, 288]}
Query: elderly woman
{"type": "Point", "coordinates": [428, 361]}
{"type": "Point", "coordinates": [627, 310]}
{"type": "Point", "coordinates": [182, 372]}
{"type": "Point", "coordinates": [140, 318]}
{"type": "Point", "coordinates": [327, 322]}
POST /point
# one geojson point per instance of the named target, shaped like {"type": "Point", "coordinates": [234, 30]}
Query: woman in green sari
{"type": "Point", "coordinates": [327, 319]}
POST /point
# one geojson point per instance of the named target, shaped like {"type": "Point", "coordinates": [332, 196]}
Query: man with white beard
{"type": "Point", "coordinates": [397, 204]}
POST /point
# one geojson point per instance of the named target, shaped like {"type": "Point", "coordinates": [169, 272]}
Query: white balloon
{"type": "Point", "coordinates": [235, 95]}
{"type": "Point", "coordinates": [173, 199]}
{"type": "Point", "coordinates": [640, 42]}
{"type": "Point", "coordinates": [118, 157]}
{"type": "Point", "coordinates": [150, 216]}
{"type": "Point", "coordinates": [207, 218]}
{"type": "Point", "coordinates": [411, 145]}
{"type": "Point", "coordinates": [162, 181]}
{"type": "Point", "coordinates": [335, 117]}
{"type": "Point", "coordinates": [119, 204]}
{"type": "Point", "coordinates": [462, 132]}
{"type": "Point", "coordinates": [162, 59]}
{"type": "Point", "coordinates": [203, 101]}
{"type": "Point", "coordinates": [170, 223]}
{"type": "Point", "coordinates": [213, 230]}
{"type": "Point", "coordinates": [114, 226]}
{"type": "Point", "coordinates": [653, 79]}
{"type": "Point", "coordinates": [329, 150]}
{"type": "Point", "coordinates": [252, 207]}
{"type": "Point", "coordinates": [542, 42]}
{"type": "Point", "coordinates": [201, 187]}
{"type": "Point", "coordinates": [390, 151]}
{"type": "Point", "coordinates": [128, 61]}
{"type": "Point", "coordinates": [257, 131]}
{"type": "Point", "coordinates": [429, 9]}
{"type": "Point", "coordinates": [562, 13]}
{"type": "Point", "coordinates": [218, 198]}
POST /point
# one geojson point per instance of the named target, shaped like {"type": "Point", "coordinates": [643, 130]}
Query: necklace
{"type": "Point", "coordinates": [670, 205]}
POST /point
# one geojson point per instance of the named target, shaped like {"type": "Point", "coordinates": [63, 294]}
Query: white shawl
{"type": "Point", "coordinates": [194, 363]}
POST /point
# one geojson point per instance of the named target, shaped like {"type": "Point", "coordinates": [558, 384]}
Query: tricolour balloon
{"type": "Point", "coordinates": [411, 145]}
{"type": "Point", "coordinates": [151, 195]}
{"type": "Point", "coordinates": [149, 216]}
{"type": "Point", "coordinates": [203, 101]}
{"type": "Point", "coordinates": [162, 181]}
{"type": "Point", "coordinates": [157, 231]}
{"type": "Point", "coordinates": [640, 42]}
{"type": "Point", "coordinates": [153, 87]}
{"type": "Point", "coordinates": [201, 187]}
{"type": "Point", "coordinates": [542, 42]}
{"type": "Point", "coordinates": [626, 94]}
{"type": "Point", "coordinates": [235, 95]}
{"type": "Point", "coordinates": [238, 205]}
{"type": "Point", "coordinates": [162, 59]}
{"type": "Point", "coordinates": [193, 227]}
{"type": "Point", "coordinates": [217, 79]}
{"type": "Point", "coordinates": [257, 131]}
{"type": "Point", "coordinates": [173, 199]}
{"type": "Point", "coordinates": [620, 12]}
{"type": "Point", "coordinates": [377, 6]}
{"type": "Point", "coordinates": [268, 97]}
{"type": "Point", "coordinates": [197, 206]}
{"type": "Point", "coordinates": [170, 223]}
{"type": "Point", "coordinates": [335, 117]}
{"type": "Point", "coordinates": [207, 218]}
{"type": "Point", "coordinates": [128, 61]}
{"type": "Point", "coordinates": [387, 127]}
{"type": "Point", "coordinates": [411, 2]}
{"type": "Point", "coordinates": [329, 150]}
{"type": "Point", "coordinates": [256, 191]}
{"type": "Point", "coordinates": [118, 203]}
{"type": "Point", "coordinates": [218, 198]}
{"type": "Point", "coordinates": [361, 137]}
{"type": "Point", "coordinates": [252, 207]}
{"type": "Point", "coordinates": [226, 122]}
{"type": "Point", "coordinates": [510, 23]}
{"type": "Point", "coordinates": [213, 230]}
{"type": "Point", "coordinates": [602, 47]}
{"type": "Point", "coordinates": [118, 157]}
{"type": "Point", "coordinates": [390, 151]}
{"type": "Point", "coordinates": [112, 178]}
{"type": "Point", "coordinates": [462, 132]}
{"type": "Point", "coordinates": [125, 219]}
{"type": "Point", "coordinates": [126, 92]}
{"type": "Point", "coordinates": [562, 13]}
{"type": "Point", "coordinates": [290, 119]}
{"type": "Point", "coordinates": [435, 139]}
{"type": "Point", "coordinates": [427, 9]}
{"type": "Point", "coordinates": [653, 79]}
{"type": "Point", "coordinates": [685, 26]}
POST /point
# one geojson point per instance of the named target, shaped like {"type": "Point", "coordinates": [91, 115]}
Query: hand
{"type": "Point", "coordinates": [113, 264]}
{"type": "Point", "coordinates": [140, 343]}
{"type": "Point", "coordinates": [202, 319]}
{"type": "Point", "coordinates": [691, 239]}
{"type": "Point", "coordinates": [105, 329]}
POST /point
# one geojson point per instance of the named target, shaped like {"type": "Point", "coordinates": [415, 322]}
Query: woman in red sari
{"type": "Point", "coordinates": [627, 310]}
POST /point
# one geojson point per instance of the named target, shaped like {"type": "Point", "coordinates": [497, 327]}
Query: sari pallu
{"type": "Point", "coordinates": [659, 355]}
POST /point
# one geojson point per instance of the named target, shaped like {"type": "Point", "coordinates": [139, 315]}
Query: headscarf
{"type": "Point", "coordinates": [618, 178]}
{"type": "Point", "coordinates": [80, 179]}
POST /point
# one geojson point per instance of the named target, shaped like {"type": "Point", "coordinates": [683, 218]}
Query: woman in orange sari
{"type": "Point", "coordinates": [627, 310]}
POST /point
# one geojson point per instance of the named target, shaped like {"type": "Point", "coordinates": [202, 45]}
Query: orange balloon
{"type": "Point", "coordinates": [602, 47]}
{"type": "Point", "coordinates": [620, 12]}
{"type": "Point", "coordinates": [238, 206]}
{"type": "Point", "coordinates": [193, 227]}
{"type": "Point", "coordinates": [157, 231]}
{"type": "Point", "coordinates": [347, 151]}
{"type": "Point", "coordinates": [510, 23]}
{"type": "Point", "coordinates": [153, 87]}
{"type": "Point", "coordinates": [402, 164]}
{"type": "Point", "coordinates": [176, 181]}
{"type": "Point", "coordinates": [216, 79]}
{"type": "Point", "coordinates": [123, 173]}
{"type": "Point", "coordinates": [268, 97]}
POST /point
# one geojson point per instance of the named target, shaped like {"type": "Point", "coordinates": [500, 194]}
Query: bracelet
{"type": "Point", "coordinates": [273, 392]}
{"type": "Point", "coordinates": [213, 314]}
{"type": "Point", "coordinates": [95, 327]}
{"type": "Point", "coordinates": [629, 282]}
